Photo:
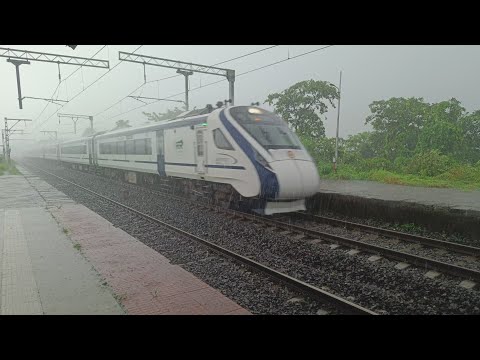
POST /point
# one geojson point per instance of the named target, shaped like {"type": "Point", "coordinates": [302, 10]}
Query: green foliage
{"type": "Point", "coordinates": [401, 164]}
{"type": "Point", "coordinates": [452, 179]}
{"type": "Point", "coordinates": [440, 135]}
{"type": "Point", "coordinates": [429, 163]}
{"type": "Point", "coordinates": [463, 173]}
{"type": "Point", "coordinates": [359, 146]}
{"type": "Point", "coordinates": [376, 163]}
{"type": "Point", "coordinates": [168, 115]}
{"type": "Point", "coordinates": [470, 125]}
{"type": "Point", "coordinates": [303, 104]}
{"type": "Point", "coordinates": [323, 148]}
{"type": "Point", "coordinates": [325, 168]}
{"type": "Point", "coordinates": [397, 123]}
{"type": "Point", "coordinates": [6, 169]}
{"type": "Point", "coordinates": [412, 143]}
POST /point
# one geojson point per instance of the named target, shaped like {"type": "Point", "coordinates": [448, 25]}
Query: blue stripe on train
{"type": "Point", "coordinates": [268, 179]}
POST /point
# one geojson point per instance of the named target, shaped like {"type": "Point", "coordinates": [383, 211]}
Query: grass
{"type": "Point", "coordinates": [5, 169]}
{"type": "Point", "coordinates": [459, 177]}
{"type": "Point", "coordinates": [78, 247]}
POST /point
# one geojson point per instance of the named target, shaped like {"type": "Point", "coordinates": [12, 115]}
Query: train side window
{"type": "Point", "coordinates": [121, 147]}
{"type": "Point", "coordinates": [221, 141]}
{"type": "Point", "coordinates": [130, 147]}
{"type": "Point", "coordinates": [140, 147]}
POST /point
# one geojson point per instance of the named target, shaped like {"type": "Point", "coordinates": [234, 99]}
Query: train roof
{"type": "Point", "coordinates": [192, 117]}
{"type": "Point", "coordinates": [85, 138]}
{"type": "Point", "coordinates": [166, 124]}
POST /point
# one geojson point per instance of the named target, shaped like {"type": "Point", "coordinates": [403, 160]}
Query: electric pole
{"type": "Point", "coordinates": [335, 159]}
{"type": "Point", "coordinates": [182, 67]}
{"type": "Point", "coordinates": [186, 74]}
{"type": "Point", "coordinates": [17, 63]}
{"type": "Point", "coordinates": [7, 131]}
{"type": "Point", "coordinates": [20, 57]}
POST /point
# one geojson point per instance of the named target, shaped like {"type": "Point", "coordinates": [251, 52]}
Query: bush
{"type": "Point", "coordinates": [324, 168]}
{"type": "Point", "coordinates": [462, 173]}
{"type": "Point", "coordinates": [429, 163]}
{"type": "Point", "coordinates": [376, 163]}
{"type": "Point", "coordinates": [385, 177]}
{"type": "Point", "coordinates": [401, 164]}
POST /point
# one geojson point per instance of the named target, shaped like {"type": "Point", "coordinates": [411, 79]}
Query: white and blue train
{"type": "Point", "coordinates": [236, 154]}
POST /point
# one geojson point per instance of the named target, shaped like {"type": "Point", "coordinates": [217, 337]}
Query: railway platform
{"type": "Point", "coordinates": [437, 209]}
{"type": "Point", "coordinates": [59, 257]}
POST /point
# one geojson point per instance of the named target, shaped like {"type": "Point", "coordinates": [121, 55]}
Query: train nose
{"type": "Point", "coordinates": [297, 178]}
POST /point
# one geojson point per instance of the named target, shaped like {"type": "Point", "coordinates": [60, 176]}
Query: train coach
{"type": "Point", "coordinates": [235, 155]}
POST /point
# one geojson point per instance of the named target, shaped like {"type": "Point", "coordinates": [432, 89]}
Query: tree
{"type": "Point", "coordinates": [303, 104]}
{"type": "Point", "coordinates": [169, 114]}
{"type": "Point", "coordinates": [470, 125]}
{"type": "Point", "coordinates": [323, 149]}
{"type": "Point", "coordinates": [121, 124]}
{"type": "Point", "coordinates": [449, 111]}
{"type": "Point", "coordinates": [397, 123]}
{"type": "Point", "coordinates": [88, 132]}
{"type": "Point", "coordinates": [442, 129]}
{"type": "Point", "coordinates": [443, 136]}
{"type": "Point", "coordinates": [359, 146]}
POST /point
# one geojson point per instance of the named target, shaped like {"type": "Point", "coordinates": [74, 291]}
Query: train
{"type": "Point", "coordinates": [243, 156]}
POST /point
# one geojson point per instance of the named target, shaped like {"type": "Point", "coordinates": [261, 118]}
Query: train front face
{"type": "Point", "coordinates": [286, 170]}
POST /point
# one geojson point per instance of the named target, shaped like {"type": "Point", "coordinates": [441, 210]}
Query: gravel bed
{"type": "Point", "coordinates": [375, 285]}
{"type": "Point", "coordinates": [438, 254]}
{"type": "Point", "coordinates": [253, 291]}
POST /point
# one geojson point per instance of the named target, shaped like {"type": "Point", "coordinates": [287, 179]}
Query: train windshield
{"type": "Point", "coordinates": [267, 128]}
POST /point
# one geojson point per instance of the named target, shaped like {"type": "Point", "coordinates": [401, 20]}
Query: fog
{"type": "Point", "coordinates": [370, 73]}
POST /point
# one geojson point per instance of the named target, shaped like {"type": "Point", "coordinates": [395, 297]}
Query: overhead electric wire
{"type": "Point", "coordinates": [216, 82]}
{"type": "Point", "coordinates": [53, 94]}
{"type": "Point", "coordinates": [88, 86]}
{"type": "Point", "coordinates": [175, 76]}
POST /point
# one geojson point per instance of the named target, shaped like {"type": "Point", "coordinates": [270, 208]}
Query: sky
{"type": "Point", "coordinates": [369, 73]}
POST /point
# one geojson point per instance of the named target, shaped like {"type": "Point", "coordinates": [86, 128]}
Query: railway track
{"type": "Point", "coordinates": [441, 244]}
{"type": "Point", "coordinates": [419, 261]}
{"type": "Point", "coordinates": [338, 302]}
{"type": "Point", "coordinates": [286, 223]}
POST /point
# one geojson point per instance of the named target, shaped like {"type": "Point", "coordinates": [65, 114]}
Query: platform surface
{"type": "Point", "coordinates": [59, 257]}
{"type": "Point", "coordinates": [449, 198]}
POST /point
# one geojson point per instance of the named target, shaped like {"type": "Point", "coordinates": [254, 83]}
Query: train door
{"type": "Point", "coordinates": [160, 153]}
{"type": "Point", "coordinates": [200, 151]}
